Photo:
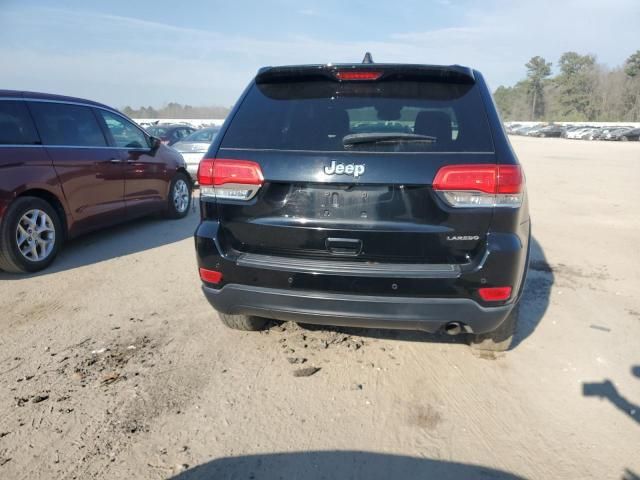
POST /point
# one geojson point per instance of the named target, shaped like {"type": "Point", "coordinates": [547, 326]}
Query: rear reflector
{"type": "Point", "coordinates": [357, 75]}
{"type": "Point", "coordinates": [229, 178]}
{"type": "Point", "coordinates": [210, 276]}
{"type": "Point", "coordinates": [480, 185]}
{"type": "Point", "coordinates": [495, 294]}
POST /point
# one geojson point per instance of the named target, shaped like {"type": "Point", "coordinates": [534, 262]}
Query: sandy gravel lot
{"type": "Point", "coordinates": [113, 365]}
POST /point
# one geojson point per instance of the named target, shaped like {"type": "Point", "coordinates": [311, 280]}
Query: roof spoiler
{"type": "Point", "coordinates": [407, 72]}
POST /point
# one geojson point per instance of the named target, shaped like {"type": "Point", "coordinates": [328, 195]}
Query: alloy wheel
{"type": "Point", "coordinates": [181, 196]}
{"type": "Point", "coordinates": [35, 235]}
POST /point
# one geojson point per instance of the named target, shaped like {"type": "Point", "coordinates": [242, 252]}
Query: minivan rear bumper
{"type": "Point", "coordinates": [322, 308]}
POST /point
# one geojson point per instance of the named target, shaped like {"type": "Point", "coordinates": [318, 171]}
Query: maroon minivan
{"type": "Point", "coordinates": [69, 166]}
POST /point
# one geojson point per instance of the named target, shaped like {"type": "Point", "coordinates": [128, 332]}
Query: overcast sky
{"type": "Point", "coordinates": [126, 52]}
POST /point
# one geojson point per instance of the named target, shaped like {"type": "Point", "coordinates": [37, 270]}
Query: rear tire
{"type": "Point", "coordinates": [179, 200]}
{"type": "Point", "coordinates": [501, 338]}
{"type": "Point", "coordinates": [243, 322]}
{"type": "Point", "coordinates": [30, 235]}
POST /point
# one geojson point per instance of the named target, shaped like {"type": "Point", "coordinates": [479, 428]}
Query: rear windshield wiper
{"type": "Point", "coordinates": [362, 138]}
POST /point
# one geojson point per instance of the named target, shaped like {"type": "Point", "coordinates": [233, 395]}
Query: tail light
{"type": "Point", "coordinates": [229, 179]}
{"type": "Point", "coordinates": [357, 75]}
{"type": "Point", "coordinates": [480, 185]}
{"type": "Point", "coordinates": [494, 294]}
{"type": "Point", "coordinates": [210, 276]}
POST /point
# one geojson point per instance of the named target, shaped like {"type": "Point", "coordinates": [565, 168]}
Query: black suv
{"type": "Point", "coordinates": [369, 195]}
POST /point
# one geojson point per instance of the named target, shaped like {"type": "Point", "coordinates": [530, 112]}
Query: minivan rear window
{"type": "Point", "coordinates": [68, 125]}
{"type": "Point", "coordinates": [317, 115]}
{"type": "Point", "coordinates": [16, 126]}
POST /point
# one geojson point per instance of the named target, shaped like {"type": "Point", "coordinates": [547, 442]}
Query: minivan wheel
{"type": "Point", "coordinates": [179, 196]}
{"type": "Point", "coordinates": [30, 236]}
{"type": "Point", "coordinates": [243, 322]}
{"type": "Point", "coordinates": [501, 338]}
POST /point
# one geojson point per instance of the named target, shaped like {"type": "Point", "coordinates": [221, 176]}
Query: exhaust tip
{"type": "Point", "coordinates": [453, 328]}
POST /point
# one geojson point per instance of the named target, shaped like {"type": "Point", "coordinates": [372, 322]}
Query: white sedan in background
{"type": "Point", "coordinates": [194, 146]}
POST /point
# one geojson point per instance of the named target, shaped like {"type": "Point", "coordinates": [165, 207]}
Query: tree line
{"type": "Point", "coordinates": [176, 110]}
{"type": "Point", "coordinates": [582, 90]}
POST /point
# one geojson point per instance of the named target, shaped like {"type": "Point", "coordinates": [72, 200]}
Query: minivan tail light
{"type": "Point", "coordinates": [229, 179]}
{"type": "Point", "coordinates": [480, 185]}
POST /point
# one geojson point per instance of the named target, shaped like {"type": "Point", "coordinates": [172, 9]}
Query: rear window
{"type": "Point", "coordinates": [69, 125]}
{"type": "Point", "coordinates": [157, 131]}
{"type": "Point", "coordinates": [202, 136]}
{"type": "Point", "coordinates": [16, 126]}
{"type": "Point", "coordinates": [317, 115]}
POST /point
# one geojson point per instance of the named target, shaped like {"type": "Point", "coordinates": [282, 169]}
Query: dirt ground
{"type": "Point", "coordinates": [113, 365]}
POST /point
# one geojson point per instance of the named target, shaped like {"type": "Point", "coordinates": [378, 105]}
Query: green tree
{"type": "Point", "coordinates": [538, 69]}
{"type": "Point", "coordinates": [128, 111]}
{"type": "Point", "coordinates": [576, 86]}
{"type": "Point", "coordinates": [582, 90]}
{"type": "Point", "coordinates": [632, 65]}
{"type": "Point", "coordinates": [512, 101]}
{"type": "Point", "coordinates": [631, 96]}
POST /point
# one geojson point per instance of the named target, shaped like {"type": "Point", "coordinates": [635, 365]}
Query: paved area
{"type": "Point", "coordinates": [113, 365]}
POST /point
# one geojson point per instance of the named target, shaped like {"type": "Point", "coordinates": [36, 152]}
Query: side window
{"type": "Point", "coordinates": [184, 132]}
{"type": "Point", "coordinates": [16, 126]}
{"type": "Point", "coordinates": [65, 124]}
{"type": "Point", "coordinates": [124, 133]}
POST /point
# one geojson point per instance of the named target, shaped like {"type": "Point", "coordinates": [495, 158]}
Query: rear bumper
{"type": "Point", "coordinates": [408, 313]}
{"type": "Point", "coordinates": [399, 296]}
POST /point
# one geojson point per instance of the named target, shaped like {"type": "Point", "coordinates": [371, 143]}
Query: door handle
{"type": "Point", "coordinates": [344, 246]}
{"type": "Point", "coordinates": [115, 160]}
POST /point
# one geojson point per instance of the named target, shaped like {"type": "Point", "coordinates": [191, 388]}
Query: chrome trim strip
{"type": "Point", "coordinates": [349, 268]}
{"type": "Point", "coordinates": [9, 145]}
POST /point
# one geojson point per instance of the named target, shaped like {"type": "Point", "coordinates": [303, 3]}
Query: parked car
{"type": "Point", "coordinates": [511, 128]}
{"type": "Point", "coordinates": [549, 131]}
{"type": "Point", "coordinates": [194, 146]}
{"type": "Point", "coordinates": [617, 133]}
{"type": "Point", "coordinates": [587, 133]}
{"type": "Point", "coordinates": [69, 166]}
{"type": "Point", "coordinates": [170, 134]}
{"type": "Point", "coordinates": [594, 134]}
{"type": "Point", "coordinates": [303, 220]}
{"type": "Point", "coordinates": [533, 131]}
{"type": "Point", "coordinates": [576, 134]}
{"type": "Point", "coordinates": [633, 134]}
{"type": "Point", "coordinates": [524, 130]}
{"type": "Point", "coordinates": [569, 129]}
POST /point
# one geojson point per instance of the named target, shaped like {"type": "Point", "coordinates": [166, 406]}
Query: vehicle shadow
{"type": "Point", "coordinates": [534, 303]}
{"type": "Point", "coordinates": [118, 241]}
{"type": "Point", "coordinates": [607, 390]}
{"type": "Point", "coordinates": [337, 465]}
{"type": "Point", "coordinates": [629, 475]}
